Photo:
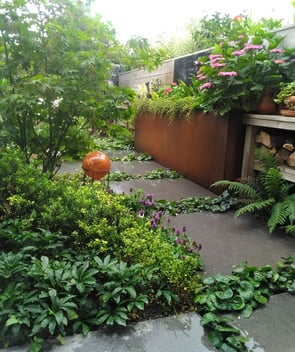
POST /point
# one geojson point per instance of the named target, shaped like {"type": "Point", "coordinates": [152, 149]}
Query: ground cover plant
{"type": "Point", "coordinates": [75, 257]}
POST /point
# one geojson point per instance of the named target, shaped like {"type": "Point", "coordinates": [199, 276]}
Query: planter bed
{"type": "Point", "coordinates": [204, 149]}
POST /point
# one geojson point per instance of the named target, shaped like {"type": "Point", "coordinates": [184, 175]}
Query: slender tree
{"type": "Point", "coordinates": [55, 62]}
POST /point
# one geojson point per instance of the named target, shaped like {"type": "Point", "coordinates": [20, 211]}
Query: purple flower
{"type": "Point", "coordinates": [227, 73]}
{"type": "Point", "coordinates": [141, 213]}
{"type": "Point", "coordinates": [179, 241]}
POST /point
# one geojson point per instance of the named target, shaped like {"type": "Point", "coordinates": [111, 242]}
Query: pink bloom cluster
{"type": "Point", "coordinates": [216, 61]}
{"type": "Point", "coordinates": [249, 46]}
{"type": "Point", "coordinates": [206, 85]}
{"type": "Point", "coordinates": [227, 74]}
{"type": "Point", "coordinates": [167, 90]}
{"type": "Point", "coordinates": [277, 50]}
{"type": "Point", "coordinates": [201, 77]}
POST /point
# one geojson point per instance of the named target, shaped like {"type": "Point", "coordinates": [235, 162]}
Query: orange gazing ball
{"type": "Point", "coordinates": [96, 165]}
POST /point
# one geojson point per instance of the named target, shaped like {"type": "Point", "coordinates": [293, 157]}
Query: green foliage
{"type": "Point", "coordinates": [74, 257]}
{"type": "Point", "coordinates": [149, 175]}
{"type": "Point", "coordinates": [55, 63]}
{"type": "Point", "coordinates": [235, 74]}
{"type": "Point", "coordinates": [286, 90]}
{"type": "Point", "coordinates": [269, 195]}
{"type": "Point", "coordinates": [218, 27]}
{"type": "Point", "coordinates": [140, 54]}
{"type": "Point", "coordinates": [122, 142]}
{"type": "Point", "coordinates": [173, 108]}
{"type": "Point", "coordinates": [245, 290]}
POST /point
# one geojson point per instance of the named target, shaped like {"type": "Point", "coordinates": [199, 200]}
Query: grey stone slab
{"type": "Point", "coordinates": [71, 167]}
{"type": "Point", "coordinates": [272, 328]}
{"type": "Point", "coordinates": [227, 241]}
{"type": "Point", "coordinates": [130, 167]}
{"type": "Point", "coordinates": [171, 334]}
{"type": "Point", "coordinates": [169, 189]}
{"type": "Point", "coordinates": [135, 167]}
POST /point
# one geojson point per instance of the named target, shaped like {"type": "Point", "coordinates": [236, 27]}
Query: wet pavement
{"type": "Point", "coordinates": [225, 241]}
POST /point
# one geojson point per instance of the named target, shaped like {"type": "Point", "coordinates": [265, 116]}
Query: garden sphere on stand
{"type": "Point", "coordinates": [96, 165]}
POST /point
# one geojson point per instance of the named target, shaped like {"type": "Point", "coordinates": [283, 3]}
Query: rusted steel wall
{"type": "Point", "coordinates": [204, 149]}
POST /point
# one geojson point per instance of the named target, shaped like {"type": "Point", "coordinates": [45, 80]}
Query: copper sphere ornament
{"type": "Point", "coordinates": [96, 165]}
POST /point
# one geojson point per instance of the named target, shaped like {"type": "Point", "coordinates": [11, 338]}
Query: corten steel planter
{"type": "Point", "coordinates": [204, 149]}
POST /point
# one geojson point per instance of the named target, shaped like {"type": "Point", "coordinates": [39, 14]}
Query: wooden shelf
{"type": "Point", "coordinates": [253, 122]}
{"type": "Point", "coordinates": [271, 121]}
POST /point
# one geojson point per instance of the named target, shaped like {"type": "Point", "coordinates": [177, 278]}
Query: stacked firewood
{"type": "Point", "coordinates": [282, 146]}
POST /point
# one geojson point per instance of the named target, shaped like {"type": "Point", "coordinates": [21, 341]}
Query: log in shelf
{"type": "Point", "coordinates": [253, 123]}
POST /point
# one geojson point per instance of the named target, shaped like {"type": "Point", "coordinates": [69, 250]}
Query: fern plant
{"type": "Point", "coordinates": [269, 194]}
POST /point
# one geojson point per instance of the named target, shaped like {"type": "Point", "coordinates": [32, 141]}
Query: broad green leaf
{"type": "Point", "coordinates": [131, 291]}
{"type": "Point", "coordinates": [226, 294]}
{"type": "Point", "coordinates": [85, 329]}
{"type": "Point", "coordinates": [207, 318]}
{"type": "Point", "coordinates": [139, 305]}
{"type": "Point", "coordinates": [227, 328]}
{"type": "Point", "coordinates": [209, 280]}
{"type": "Point", "coordinates": [246, 290]}
{"type": "Point", "coordinates": [102, 319]}
{"type": "Point", "coordinates": [237, 303]}
{"type": "Point", "coordinates": [260, 298]}
{"type": "Point", "coordinates": [12, 320]}
{"type": "Point", "coordinates": [120, 321]}
{"type": "Point", "coordinates": [227, 348]}
{"type": "Point", "coordinates": [247, 311]}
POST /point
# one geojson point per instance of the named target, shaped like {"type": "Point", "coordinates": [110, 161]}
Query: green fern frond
{"type": "Point", "coordinates": [290, 207]}
{"type": "Point", "coordinates": [273, 184]}
{"type": "Point", "coordinates": [278, 217]}
{"type": "Point", "coordinates": [265, 159]}
{"type": "Point", "coordinates": [282, 213]}
{"type": "Point", "coordinates": [290, 229]}
{"type": "Point", "coordinates": [255, 206]}
{"type": "Point", "coordinates": [243, 189]}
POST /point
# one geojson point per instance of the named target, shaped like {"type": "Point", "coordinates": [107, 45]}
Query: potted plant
{"type": "Point", "coordinates": [286, 99]}
{"type": "Point", "coordinates": [238, 72]}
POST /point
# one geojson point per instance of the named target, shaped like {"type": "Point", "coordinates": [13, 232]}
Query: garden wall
{"type": "Point", "coordinates": [204, 149]}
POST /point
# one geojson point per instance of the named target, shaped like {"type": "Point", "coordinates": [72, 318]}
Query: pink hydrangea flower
{"type": "Point", "coordinates": [201, 77]}
{"type": "Point", "coordinates": [250, 46]}
{"type": "Point", "coordinates": [238, 52]}
{"type": "Point", "coordinates": [227, 73]}
{"type": "Point", "coordinates": [277, 50]}
{"type": "Point", "coordinates": [217, 64]}
{"type": "Point", "coordinates": [206, 86]}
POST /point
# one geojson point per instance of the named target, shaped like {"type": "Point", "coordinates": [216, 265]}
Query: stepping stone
{"type": "Point", "coordinates": [168, 189]}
